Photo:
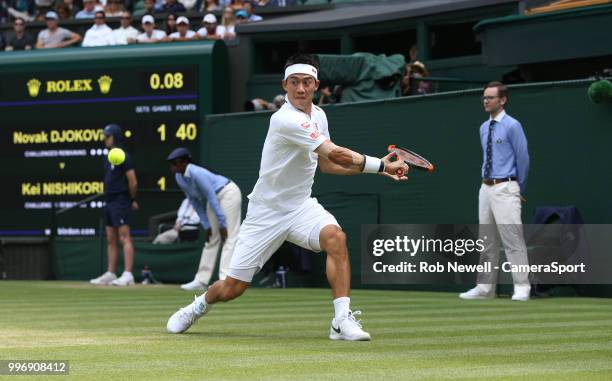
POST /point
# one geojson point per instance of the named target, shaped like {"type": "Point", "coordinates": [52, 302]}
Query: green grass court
{"type": "Point", "coordinates": [111, 333]}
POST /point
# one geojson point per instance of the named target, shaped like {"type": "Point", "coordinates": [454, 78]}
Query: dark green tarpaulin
{"type": "Point", "coordinates": [363, 75]}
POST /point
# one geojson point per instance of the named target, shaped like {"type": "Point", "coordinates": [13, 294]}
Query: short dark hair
{"type": "Point", "coordinates": [19, 19]}
{"type": "Point", "coordinates": [502, 90]}
{"type": "Point", "coordinates": [301, 58]}
{"type": "Point", "coordinates": [100, 13]}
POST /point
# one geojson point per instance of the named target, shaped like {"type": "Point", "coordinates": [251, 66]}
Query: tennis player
{"type": "Point", "coordinates": [281, 207]}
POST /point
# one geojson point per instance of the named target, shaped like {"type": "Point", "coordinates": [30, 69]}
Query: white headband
{"type": "Point", "coordinates": [301, 69]}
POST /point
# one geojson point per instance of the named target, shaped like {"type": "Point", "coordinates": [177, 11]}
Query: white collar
{"type": "Point", "coordinates": [499, 116]}
{"type": "Point", "coordinates": [188, 170]}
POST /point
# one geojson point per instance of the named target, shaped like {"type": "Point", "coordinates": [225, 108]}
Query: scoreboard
{"type": "Point", "coordinates": [52, 142]}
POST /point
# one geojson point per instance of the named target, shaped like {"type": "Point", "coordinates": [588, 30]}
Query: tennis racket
{"type": "Point", "coordinates": [413, 159]}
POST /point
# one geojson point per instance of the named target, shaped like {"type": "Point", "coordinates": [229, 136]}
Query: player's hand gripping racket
{"type": "Point", "coordinates": [413, 159]}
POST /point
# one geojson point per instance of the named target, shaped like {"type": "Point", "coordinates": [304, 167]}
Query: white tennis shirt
{"type": "Point", "coordinates": [288, 163]}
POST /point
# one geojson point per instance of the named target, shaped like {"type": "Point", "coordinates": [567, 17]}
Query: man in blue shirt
{"type": "Point", "coordinates": [504, 178]}
{"type": "Point", "coordinates": [120, 187]}
{"type": "Point", "coordinates": [218, 202]}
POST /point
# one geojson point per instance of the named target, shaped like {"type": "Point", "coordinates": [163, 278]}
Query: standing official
{"type": "Point", "coordinates": [218, 202]}
{"type": "Point", "coordinates": [120, 187]}
{"type": "Point", "coordinates": [504, 178]}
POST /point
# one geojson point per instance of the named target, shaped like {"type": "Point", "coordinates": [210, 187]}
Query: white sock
{"type": "Point", "coordinates": [127, 272]}
{"type": "Point", "coordinates": [199, 304]}
{"type": "Point", "coordinates": [341, 307]}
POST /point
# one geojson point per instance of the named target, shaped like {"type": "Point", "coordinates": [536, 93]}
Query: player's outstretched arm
{"type": "Point", "coordinates": [338, 160]}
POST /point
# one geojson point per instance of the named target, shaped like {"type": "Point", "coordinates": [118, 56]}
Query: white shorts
{"type": "Point", "coordinates": [264, 230]}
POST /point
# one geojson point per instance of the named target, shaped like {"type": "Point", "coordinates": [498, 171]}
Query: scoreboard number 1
{"type": "Point", "coordinates": [162, 183]}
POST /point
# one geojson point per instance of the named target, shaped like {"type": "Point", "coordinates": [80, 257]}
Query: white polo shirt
{"type": "Point", "coordinates": [156, 34]}
{"type": "Point", "coordinates": [99, 35]}
{"type": "Point", "coordinates": [189, 34]}
{"type": "Point", "coordinates": [288, 163]}
{"type": "Point", "coordinates": [122, 35]}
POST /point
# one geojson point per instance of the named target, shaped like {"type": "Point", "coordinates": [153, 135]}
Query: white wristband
{"type": "Point", "coordinates": [371, 165]}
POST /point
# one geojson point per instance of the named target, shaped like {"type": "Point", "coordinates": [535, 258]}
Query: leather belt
{"type": "Point", "coordinates": [223, 186]}
{"type": "Point", "coordinates": [497, 181]}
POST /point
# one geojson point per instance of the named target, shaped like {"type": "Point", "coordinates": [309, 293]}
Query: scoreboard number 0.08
{"type": "Point", "coordinates": [168, 81]}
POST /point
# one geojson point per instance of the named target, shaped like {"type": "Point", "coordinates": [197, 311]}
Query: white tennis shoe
{"type": "Point", "coordinates": [521, 293]}
{"type": "Point", "coordinates": [348, 328]}
{"type": "Point", "coordinates": [185, 317]}
{"type": "Point", "coordinates": [194, 285]}
{"type": "Point", "coordinates": [477, 293]}
{"type": "Point", "coordinates": [104, 279]}
{"type": "Point", "coordinates": [126, 279]}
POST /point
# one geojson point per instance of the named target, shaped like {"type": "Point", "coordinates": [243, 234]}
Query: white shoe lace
{"type": "Point", "coordinates": [351, 318]}
{"type": "Point", "coordinates": [187, 315]}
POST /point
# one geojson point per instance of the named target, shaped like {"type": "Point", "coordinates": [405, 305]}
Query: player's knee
{"type": "Point", "coordinates": [333, 241]}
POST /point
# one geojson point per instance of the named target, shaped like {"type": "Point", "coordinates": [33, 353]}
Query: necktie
{"type": "Point", "coordinates": [489, 159]}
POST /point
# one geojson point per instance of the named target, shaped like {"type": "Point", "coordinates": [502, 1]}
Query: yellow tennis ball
{"type": "Point", "coordinates": [116, 156]}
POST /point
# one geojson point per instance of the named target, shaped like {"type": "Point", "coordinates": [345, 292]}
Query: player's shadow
{"type": "Point", "coordinates": [237, 335]}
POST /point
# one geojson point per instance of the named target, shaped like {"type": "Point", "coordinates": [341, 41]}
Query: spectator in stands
{"type": "Point", "coordinates": [186, 219]}
{"type": "Point", "coordinates": [183, 33]}
{"type": "Point", "coordinates": [188, 4]}
{"type": "Point", "coordinates": [67, 9]}
{"type": "Point", "coordinates": [227, 29]}
{"type": "Point", "coordinates": [114, 8]}
{"type": "Point", "coordinates": [20, 39]}
{"type": "Point", "coordinates": [414, 54]}
{"type": "Point", "coordinates": [150, 34]}
{"type": "Point", "coordinates": [44, 6]}
{"type": "Point", "coordinates": [410, 84]}
{"type": "Point", "coordinates": [54, 36]}
{"type": "Point", "coordinates": [279, 100]}
{"type": "Point", "coordinates": [99, 34]}
{"type": "Point", "coordinates": [26, 9]}
{"type": "Point", "coordinates": [276, 3]}
{"type": "Point", "coordinates": [208, 31]}
{"type": "Point", "coordinates": [125, 31]}
{"type": "Point", "coordinates": [4, 16]}
{"type": "Point", "coordinates": [2, 43]}
{"type": "Point", "coordinates": [236, 5]}
{"type": "Point", "coordinates": [328, 95]}
{"type": "Point", "coordinates": [149, 9]}
{"type": "Point", "coordinates": [88, 11]}
{"type": "Point", "coordinates": [258, 104]}
{"type": "Point", "coordinates": [247, 15]}
{"type": "Point", "coordinates": [63, 11]}
{"type": "Point", "coordinates": [211, 6]}
{"type": "Point", "coordinates": [171, 6]}
{"type": "Point", "coordinates": [171, 24]}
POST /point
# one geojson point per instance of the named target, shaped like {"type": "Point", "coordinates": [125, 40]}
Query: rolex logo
{"type": "Point", "coordinates": [33, 87]}
{"type": "Point", "coordinates": [105, 84]}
